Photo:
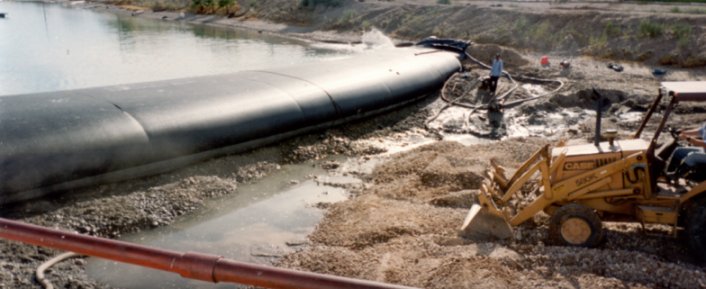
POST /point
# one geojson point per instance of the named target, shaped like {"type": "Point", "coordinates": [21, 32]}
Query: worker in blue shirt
{"type": "Point", "coordinates": [687, 159]}
{"type": "Point", "coordinates": [495, 72]}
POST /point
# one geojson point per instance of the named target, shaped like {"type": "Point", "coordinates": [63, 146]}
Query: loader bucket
{"type": "Point", "coordinates": [486, 220]}
{"type": "Point", "coordinates": [482, 225]}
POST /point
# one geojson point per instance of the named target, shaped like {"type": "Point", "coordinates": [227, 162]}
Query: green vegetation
{"type": "Point", "coordinates": [611, 29]}
{"type": "Point", "coordinates": [679, 31]}
{"type": "Point", "coordinates": [676, 9]}
{"type": "Point", "coordinates": [598, 42]}
{"type": "Point", "coordinates": [443, 1]}
{"type": "Point", "coordinates": [520, 23]}
{"type": "Point", "coordinates": [166, 5]}
{"type": "Point", "coordinates": [682, 32]}
{"type": "Point", "coordinates": [225, 3]}
{"type": "Point", "coordinates": [673, 1]}
{"type": "Point", "coordinates": [541, 31]}
{"type": "Point", "coordinates": [154, 5]}
{"type": "Point", "coordinates": [314, 3]}
{"type": "Point", "coordinates": [651, 29]}
{"type": "Point", "coordinates": [366, 25]}
{"type": "Point", "coordinates": [346, 18]}
{"type": "Point", "coordinates": [221, 7]}
{"type": "Point", "coordinates": [695, 11]}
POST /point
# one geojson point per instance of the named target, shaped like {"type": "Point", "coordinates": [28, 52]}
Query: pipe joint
{"type": "Point", "coordinates": [197, 266]}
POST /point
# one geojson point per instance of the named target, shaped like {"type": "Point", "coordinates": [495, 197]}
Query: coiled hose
{"type": "Point", "coordinates": [501, 99]}
{"type": "Point", "coordinates": [521, 78]}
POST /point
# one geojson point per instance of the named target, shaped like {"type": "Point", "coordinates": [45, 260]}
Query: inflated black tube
{"type": "Point", "coordinates": [60, 140]}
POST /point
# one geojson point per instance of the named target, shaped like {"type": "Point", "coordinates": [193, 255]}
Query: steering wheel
{"type": "Point", "coordinates": [673, 132]}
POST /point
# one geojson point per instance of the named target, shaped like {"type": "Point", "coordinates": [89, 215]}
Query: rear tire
{"type": "Point", "coordinates": [696, 229]}
{"type": "Point", "coordinates": [575, 225]}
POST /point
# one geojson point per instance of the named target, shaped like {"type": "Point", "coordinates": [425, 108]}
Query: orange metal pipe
{"type": "Point", "coordinates": [191, 265]}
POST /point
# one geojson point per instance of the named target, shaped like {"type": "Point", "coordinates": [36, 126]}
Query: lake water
{"type": "Point", "coordinates": [46, 47]}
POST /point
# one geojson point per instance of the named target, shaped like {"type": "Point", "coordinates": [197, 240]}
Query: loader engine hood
{"type": "Point", "coordinates": [584, 157]}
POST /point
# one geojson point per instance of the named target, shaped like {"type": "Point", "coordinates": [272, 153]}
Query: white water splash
{"type": "Point", "coordinates": [376, 39]}
{"type": "Point", "coordinates": [370, 40]}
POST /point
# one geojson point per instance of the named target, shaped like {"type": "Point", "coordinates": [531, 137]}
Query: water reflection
{"type": "Point", "coordinates": [260, 223]}
{"type": "Point", "coordinates": [49, 47]}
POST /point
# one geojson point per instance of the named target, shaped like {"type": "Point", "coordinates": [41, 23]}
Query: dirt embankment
{"type": "Point", "coordinates": [665, 35]}
{"type": "Point", "coordinates": [652, 34]}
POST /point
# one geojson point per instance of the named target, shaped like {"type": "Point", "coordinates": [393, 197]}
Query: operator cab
{"type": "Point", "coordinates": [677, 91]}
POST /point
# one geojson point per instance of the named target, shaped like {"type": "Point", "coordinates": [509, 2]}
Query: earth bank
{"type": "Point", "coordinates": [655, 34]}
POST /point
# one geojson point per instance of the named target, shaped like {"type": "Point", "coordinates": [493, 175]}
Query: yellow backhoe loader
{"type": "Point", "coordinates": [580, 186]}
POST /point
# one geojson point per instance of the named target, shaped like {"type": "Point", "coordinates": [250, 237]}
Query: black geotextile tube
{"type": "Point", "coordinates": [55, 141]}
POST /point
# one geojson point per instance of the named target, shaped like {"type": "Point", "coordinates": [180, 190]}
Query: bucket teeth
{"type": "Point", "coordinates": [497, 174]}
{"type": "Point", "coordinates": [492, 188]}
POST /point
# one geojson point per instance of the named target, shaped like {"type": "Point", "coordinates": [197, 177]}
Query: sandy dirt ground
{"type": "Point", "coordinates": [403, 229]}
{"type": "Point", "coordinates": [402, 226]}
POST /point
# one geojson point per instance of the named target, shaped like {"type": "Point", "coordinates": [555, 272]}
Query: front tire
{"type": "Point", "coordinates": [575, 225]}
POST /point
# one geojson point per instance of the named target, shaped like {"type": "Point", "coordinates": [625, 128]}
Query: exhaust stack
{"type": "Point", "coordinates": [599, 115]}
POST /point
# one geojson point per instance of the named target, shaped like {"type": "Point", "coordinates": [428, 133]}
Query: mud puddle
{"type": "Point", "coordinates": [260, 223]}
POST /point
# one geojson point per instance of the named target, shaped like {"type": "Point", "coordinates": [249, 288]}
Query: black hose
{"type": "Point", "coordinates": [500, 98]}
{"type": "Point", "coordinates": [521, 77]}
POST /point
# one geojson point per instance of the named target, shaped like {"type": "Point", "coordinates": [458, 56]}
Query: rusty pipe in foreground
{"type": "Point", "coordinates": [191, 265]}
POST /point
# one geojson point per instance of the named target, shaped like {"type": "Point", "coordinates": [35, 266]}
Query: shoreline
{"type": "Point", "coordinates": [254, 25]}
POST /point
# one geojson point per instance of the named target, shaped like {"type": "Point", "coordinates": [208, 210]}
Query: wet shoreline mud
{"type": "Point", "coordinates": [400, 226]}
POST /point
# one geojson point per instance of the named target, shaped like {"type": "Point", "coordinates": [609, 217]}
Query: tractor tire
{"type": "Point", "coordinates": [696, 229]}
{"type": "Point", "coordinates": [575, 225]}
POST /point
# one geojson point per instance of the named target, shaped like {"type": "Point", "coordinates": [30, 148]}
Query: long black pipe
{"type": "Point", "coordinates": [61, 140]}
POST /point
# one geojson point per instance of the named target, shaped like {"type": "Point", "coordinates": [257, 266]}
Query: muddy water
{"type": "Point", "coordinates": [259, 223]}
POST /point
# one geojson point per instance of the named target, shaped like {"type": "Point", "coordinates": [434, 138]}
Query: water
{"type": "Point", "coordinates": [48, 47]}
{"type": "Point", "coordinates": [260, 223]}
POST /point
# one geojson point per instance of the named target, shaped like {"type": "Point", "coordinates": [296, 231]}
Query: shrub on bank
{"type": "Point", "coordinates": [220, 7]}
{"type": "Point", "coordinates": [651, 29]}
{"type": "Point", "coordinates": [154, 5]}
{"type": "Point", "coordinates": [673, 1]}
